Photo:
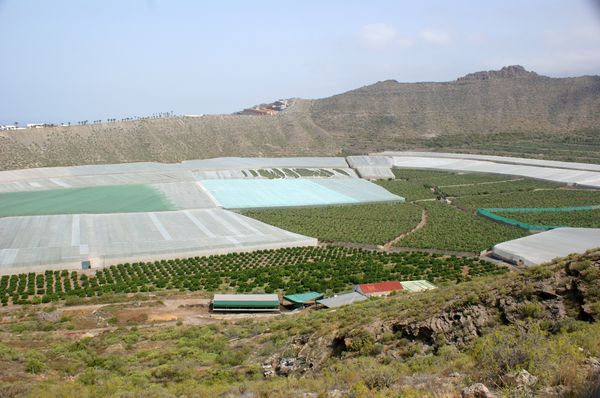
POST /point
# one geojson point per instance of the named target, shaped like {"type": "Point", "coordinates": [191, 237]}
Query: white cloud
{"type": "Point", "coordinates": [380, 36]}
{"type": "Point", "coordinates": [435, 36]}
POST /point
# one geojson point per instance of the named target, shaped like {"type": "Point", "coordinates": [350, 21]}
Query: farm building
{"type": "Point", "coordinates": [378, 289]}
{"type": "Point", "coordinates": [546, 246]}
{"type": "Point", "coordinates": [246, 303]}
{"type": "Point", "coordinates": [342, 299]}
{"type": "Point", "coordinates": [417, 286]}
{"type": "Point", "coordinates": [303, 299]}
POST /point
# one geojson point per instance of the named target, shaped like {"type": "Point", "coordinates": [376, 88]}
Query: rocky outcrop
{"type": "Point", "coordinates": [457, 327]}
{"type": "Point", "coordinates": [507, 72]}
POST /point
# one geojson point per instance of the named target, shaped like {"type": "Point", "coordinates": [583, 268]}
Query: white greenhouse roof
{"type": "Point", "coordinates": [153, 172]}
{"type": "Point", "coordinates": [63, 241]}
{"type": "Point", "coordinates": [499, 159]}
{"type": "Point", "coordinates": [417, 286]}
{"type": "Point", "coordinates": [342, 299]}
{"type": "Point", "coordinates": [562, 175]}
{"type": "Point", "coordinates": [546, 246]}
{"type": "Point", "coordinates": [248, 193]}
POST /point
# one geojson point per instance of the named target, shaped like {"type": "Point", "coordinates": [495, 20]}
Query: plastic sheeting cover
{"type": "Point", "coordinates": [241, 194]}
{"type": "Point", "coordinates": [580, 177]}
{"type": "Point", "coordinates": [546, 246]}
{"type": "Point", "coordinates": [63, 241]}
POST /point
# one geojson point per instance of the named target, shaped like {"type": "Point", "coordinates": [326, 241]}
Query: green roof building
{"type": "Point", "coordinates": [246, 302]}
{"type": "Point", "coordinates": [303, 298]}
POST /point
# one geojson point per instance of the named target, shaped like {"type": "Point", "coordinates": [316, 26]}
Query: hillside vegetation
{"type": "Point", "coordinates": [511, 111]}
{"type": "Point", "coordinates": [534, 333]}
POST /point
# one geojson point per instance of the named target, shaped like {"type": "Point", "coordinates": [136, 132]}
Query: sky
{"type": "Point", "coordinates": [66, 61]}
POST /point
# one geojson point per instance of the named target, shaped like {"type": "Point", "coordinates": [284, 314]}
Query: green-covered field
{"type": "Point", "coordinates": [293, 270]}
{"type": "Point", "coordinates": [371, 223]}
{"type": "Point", "coordinates": [452, 229]}
{"type": "Point", "coordinates": [94, 200]}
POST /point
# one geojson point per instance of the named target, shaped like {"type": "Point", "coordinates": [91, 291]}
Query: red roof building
{"type": "Point", "coordinates": [378, 288]}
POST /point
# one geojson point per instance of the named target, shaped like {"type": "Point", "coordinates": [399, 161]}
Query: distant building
{"type": "Point", "coordinates": [36, 125]}
{"type": "Point", "coordinates": [245, 303]}
{"type": "Point", "coordinates": [379, 288]}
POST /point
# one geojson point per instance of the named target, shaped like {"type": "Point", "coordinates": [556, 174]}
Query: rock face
{"type": "Point", "coordinates": [456, 326]}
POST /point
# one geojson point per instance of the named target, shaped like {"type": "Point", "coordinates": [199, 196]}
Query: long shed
{"type": "Point", "coordinates": [246, 302]}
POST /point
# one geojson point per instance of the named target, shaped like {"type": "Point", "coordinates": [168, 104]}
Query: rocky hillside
{"type": "Point", "coordinates": [521, 334]}
{"type": "Point", "coordinates": [509, 100]}
{"type": "Point", "coordinates": [386, 115]}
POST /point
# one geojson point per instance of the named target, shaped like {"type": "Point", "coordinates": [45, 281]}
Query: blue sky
{"type": "Point", "coordinates": [76, 60]}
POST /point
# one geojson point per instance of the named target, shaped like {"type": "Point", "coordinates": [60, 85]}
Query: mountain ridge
{"type": "Point", "coordinates": [386, 115]}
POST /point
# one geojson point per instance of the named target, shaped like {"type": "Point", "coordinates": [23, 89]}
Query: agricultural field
{"type": "Point", "coordinates": [452, 229]}
{"type": "Point", "coordinates": [370, 223]}
{"type": "Point", "coordinates": [101, 199]}
{"type": "Point", "coordinates": [427, 184]}
{"type": "Point", "coordinates": [410, 189]}
{"type": "Point", "coordinates": [580, 218]}
{"type": "Point", "coordinates": [553, 198]}
{"type": "Point", "coordinates": [486, 188]}
{"type": "Point", "coordinates": [292, 270]}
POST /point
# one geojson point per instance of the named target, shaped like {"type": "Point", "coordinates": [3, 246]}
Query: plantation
{"type": "Point", "coordinates": [426, 184]}
{"type": "Point", "coordinates": [410, 189]}
{"type": "Point", "coordinates": [372, 223]}
{"type": "Point", "coordinates": [580, 218]}
{"type": "Point", "coordinates": [553, 198]}
{"type": "Point", "coordinates": [452, 229]}
{"type": "Point", "coordinates": [484, 188]}
{"type": "Point", "coordinates": [293, 270]}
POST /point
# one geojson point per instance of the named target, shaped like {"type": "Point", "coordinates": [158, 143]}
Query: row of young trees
{"type": "Point", "coordinates": [292, 270]}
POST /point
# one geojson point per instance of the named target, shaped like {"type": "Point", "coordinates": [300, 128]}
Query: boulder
{"type": "Point", "coordinates": [477, 390]}
{"type": "Point", "coordinates": [521, 379]}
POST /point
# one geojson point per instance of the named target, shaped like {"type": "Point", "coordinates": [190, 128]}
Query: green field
{"type": "Point", "coordinates": [371, 223]}
{"type": "Point", "coordinates": [292, 270]}
{"type": "Point", "coordinates": [91, 200]}
{"type": "Point", "coordinates": [452, 229]}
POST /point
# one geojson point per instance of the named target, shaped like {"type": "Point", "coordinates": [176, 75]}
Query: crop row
{"type": "Point", "coordinates": [292, 270]}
